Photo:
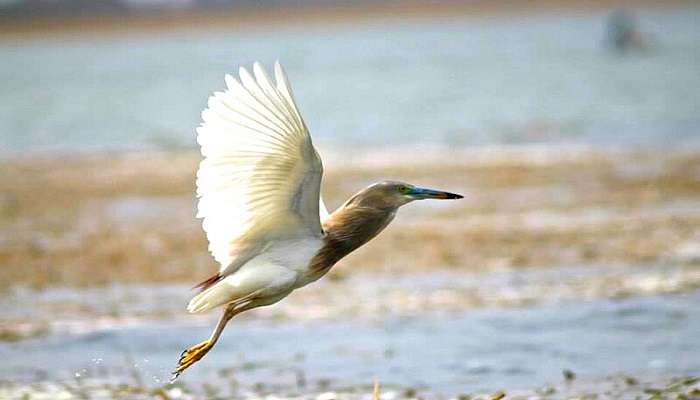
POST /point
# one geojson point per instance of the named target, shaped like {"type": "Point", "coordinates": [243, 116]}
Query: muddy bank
{"type": "Point", "coordinates": [129, 217]}
{"type": "Point", "coordinates": [30, 313]}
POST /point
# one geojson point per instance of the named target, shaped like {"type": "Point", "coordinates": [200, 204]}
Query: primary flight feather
{"type": "Point", "coordinates": [259, 198]}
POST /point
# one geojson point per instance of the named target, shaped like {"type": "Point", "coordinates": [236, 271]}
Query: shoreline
{"type": "Point", "coordinates": [90, 220]}
{"type": "Point", "coordinates": [618, 386]}
{"type": "Point", "coordinates": [400, 295]}
{"type": "Point", "coordinates": [385, 156]}
{"type": "Point", "coordinates": [290, 17]}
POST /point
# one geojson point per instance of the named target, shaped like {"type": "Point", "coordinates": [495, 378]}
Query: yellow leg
{"type": "Point", "coordinates": [191, 356]}
{"type": "Point", "coordinates": [196, 352]}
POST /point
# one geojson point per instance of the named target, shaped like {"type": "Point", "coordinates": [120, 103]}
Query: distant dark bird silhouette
{"type": "Point", "coordinates": [623, 34]}
{"type": "Point", "coordinates": [259, 190]}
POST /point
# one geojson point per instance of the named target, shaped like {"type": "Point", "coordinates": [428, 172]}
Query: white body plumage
{"type": "Point", "coordinates": [276, 272]}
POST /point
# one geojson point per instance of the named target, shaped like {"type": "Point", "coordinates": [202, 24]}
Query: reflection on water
{"type": "Point", "coordinates": [485, 349]}
{"type": "Point", "coordinates": [518, 79]}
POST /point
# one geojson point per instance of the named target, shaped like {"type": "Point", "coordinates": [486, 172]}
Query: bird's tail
{"type": "Point", "coordinates": [215, 295]}
{"type": "Point", "coordinates": [209, 282]}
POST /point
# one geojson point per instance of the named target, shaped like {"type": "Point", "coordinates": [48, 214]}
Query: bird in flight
{"type": "Point", "coordinates": [259, 189]}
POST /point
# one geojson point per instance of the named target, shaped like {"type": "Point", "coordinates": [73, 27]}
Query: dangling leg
{"type": "Point", "coordinates": [196, 352]}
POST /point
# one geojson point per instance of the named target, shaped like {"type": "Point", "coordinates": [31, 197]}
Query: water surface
{"type": "Point", "coordinates": [487, 349]}
{"type": "Point", "coordinates": [472, 81]}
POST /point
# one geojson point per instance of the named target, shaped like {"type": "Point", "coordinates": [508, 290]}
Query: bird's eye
{"type": "Point", "coordinates": [403, 189]}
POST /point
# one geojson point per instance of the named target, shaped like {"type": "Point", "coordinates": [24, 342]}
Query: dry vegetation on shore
{"type": "Point", "coordinates": [91, 220]}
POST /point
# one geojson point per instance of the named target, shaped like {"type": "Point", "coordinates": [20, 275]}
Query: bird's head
{"type": "Point", "coordinates": [393, 194]}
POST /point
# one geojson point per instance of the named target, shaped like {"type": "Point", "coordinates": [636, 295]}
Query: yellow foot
{"type": "Point", "coordinates": [191, 356]}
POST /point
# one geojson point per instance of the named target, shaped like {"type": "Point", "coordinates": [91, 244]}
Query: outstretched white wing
{"type": "Point", "coordinates": [260, 177]}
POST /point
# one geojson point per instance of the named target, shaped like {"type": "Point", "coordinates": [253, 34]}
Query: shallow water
{"type": "Point", "coordinates": [375, 297]}
{"type": "Point", "coordinates": [497, 80]}
{"type": "Point", "coordinates": [485, 349]}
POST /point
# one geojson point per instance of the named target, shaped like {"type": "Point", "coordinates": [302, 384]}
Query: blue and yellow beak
{"type": "Point", "coordinates": [423, 193]}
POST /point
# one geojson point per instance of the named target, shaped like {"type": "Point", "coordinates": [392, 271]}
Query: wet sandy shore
{"type": "Point", "coordinates": [103, 219]}
{"type": "Point", "coordinates": [619, 387]}
{"type": "Point", "coordinates": [29, 313]}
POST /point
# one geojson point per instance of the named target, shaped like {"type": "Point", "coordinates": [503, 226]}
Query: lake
{"type": "Point", "coordinates": [545, 78]}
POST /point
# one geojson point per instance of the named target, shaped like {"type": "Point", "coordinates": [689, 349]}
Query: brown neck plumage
{"type": "Point", "coordinates": [348, 228]}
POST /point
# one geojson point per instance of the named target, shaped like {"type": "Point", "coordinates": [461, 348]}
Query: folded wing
{"type": "Point", "coordinates": [260, 177]}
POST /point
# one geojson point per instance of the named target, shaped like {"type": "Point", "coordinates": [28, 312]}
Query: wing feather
{"type": "Point", "coordinates": [260, 177]}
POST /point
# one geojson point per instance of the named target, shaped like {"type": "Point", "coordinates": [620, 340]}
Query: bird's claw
{"type": "Point", "coordinates": [190, 356]}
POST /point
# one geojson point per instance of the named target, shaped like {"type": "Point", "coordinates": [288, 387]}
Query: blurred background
{"type": "Point", "coordinates": [571, 268]}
